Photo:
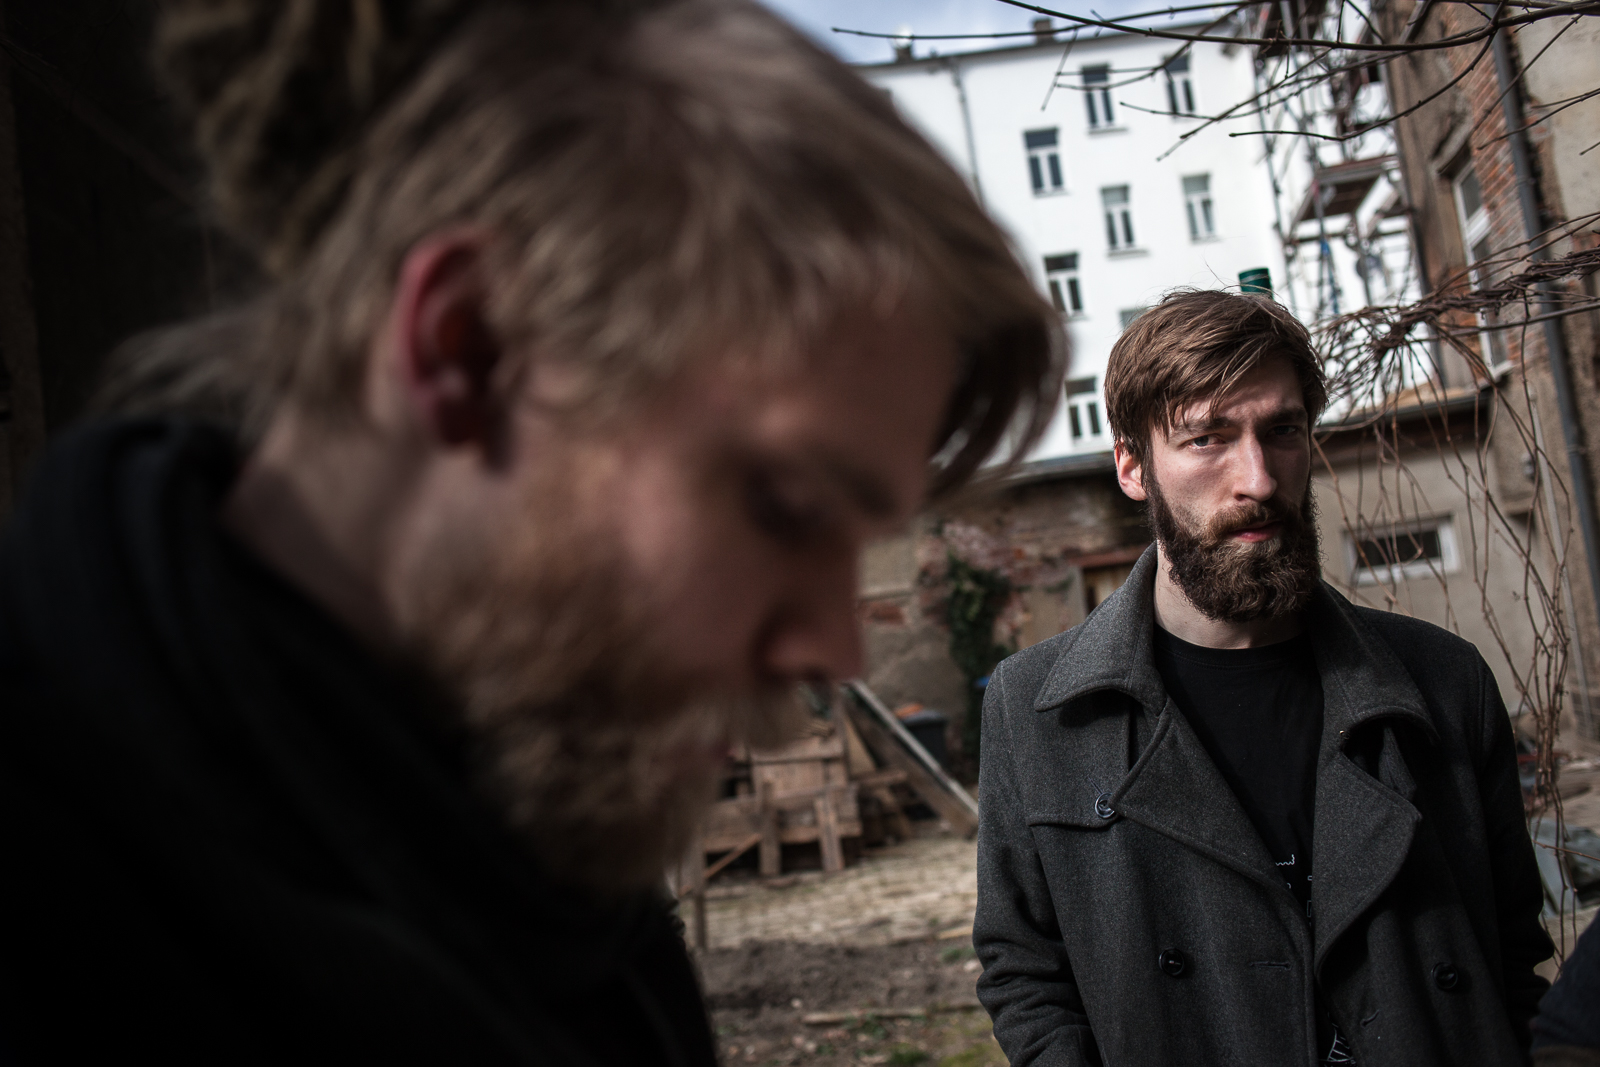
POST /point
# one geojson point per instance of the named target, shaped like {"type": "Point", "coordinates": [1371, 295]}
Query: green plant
{"type": "Point", "coordinates": [957, 954]}
{"type": "Point", "coordinates": [873, 1028]}
{"type": "Point", "coordinates": [906, 1056]}
{"type": "Point", "coordinates": [973, 603]}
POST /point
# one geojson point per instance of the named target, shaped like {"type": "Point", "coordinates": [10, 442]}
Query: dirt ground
{"type": "Point", "coordinates": [885, 936]}
{"type": "Point", "coordinates": [762, 992]}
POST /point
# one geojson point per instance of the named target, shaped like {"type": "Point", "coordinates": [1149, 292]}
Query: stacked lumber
{"type": "Point", "coordinates": [857, 759]}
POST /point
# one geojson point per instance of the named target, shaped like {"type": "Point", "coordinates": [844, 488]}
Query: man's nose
{"type": "Point", "coordinates": [1252, 478]}
{"type": "Point", "coordinates": [815, 634]}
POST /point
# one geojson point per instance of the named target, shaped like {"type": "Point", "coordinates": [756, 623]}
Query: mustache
{"type": "Point", "coordinates": [1225, 524]}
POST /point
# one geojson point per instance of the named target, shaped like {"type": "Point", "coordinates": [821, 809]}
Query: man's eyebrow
{"type": "Point", "coordinates": [865, 489]}
{"type": "Point", "coordinates": [1296, 413]}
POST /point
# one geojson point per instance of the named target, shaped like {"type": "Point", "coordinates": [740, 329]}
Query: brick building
{"type": "Point", "coordinates": [1465, 115]}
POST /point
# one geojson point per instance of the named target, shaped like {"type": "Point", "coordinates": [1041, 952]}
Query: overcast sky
{"type": "Point", "coordinates": [817, 17]}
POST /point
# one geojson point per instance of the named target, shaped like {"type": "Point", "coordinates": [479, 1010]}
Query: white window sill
{"type": "Point", "coordinates": [1405, 572]}
{"type": "Point", "coordinates": [1206, 239]}
{"type": "Point", "coordinates": [1042, 194]}
{"type": "Point", "coordinates": [1127, 253]}
{"type": "Point", "coordinates": [1107, 129]}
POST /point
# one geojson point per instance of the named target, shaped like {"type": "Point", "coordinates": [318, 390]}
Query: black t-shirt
{"type": "Point", "coordinates": [1258, 711]}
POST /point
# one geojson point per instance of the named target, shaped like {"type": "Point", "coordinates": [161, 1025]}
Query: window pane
{"type": "Point", "coordinates": [1197, 183]}
{"type": "Point", "coordinates": [1074, 300]}
{"type": "Point", "coordinates": [1035, 174]}
{"type": "Point", "coordinates": [1194, 225]}
{"type": "Point", "coordinates": [1077, 426]}
{"type": "Point", "coordinates": [1398, 549]}
{"type": "Point", "coordinates": [1094, 118]}
{"type": "Point", "coordinates": [1079, 386]}
{"type": "Point", "coordinates": [1471, 194]}
{"type": "Point", "coordinates": [1096, 75]}
{"type": "Point", "coordinates": [1040, 138]}
{"type": "Point", "coordinates": [1188, 96]}
{"type": "Point", "coordinates": [1114, 196]}
{"type": "Point", "coordinates": [1065, 261]}
{"type": "Point", "coordinates": [1205, 211]}
{"type": "Point", "coordinates": [1094, 418]}
{"type": "Point", "coordinates": [1105, 105]}
{"type": "Point", "coordinates": [1127, 229]}
{"type": "Point", "coordinates": [1172, 96]}
{"type": "Point", "coordinates": [1178, 64]}
{"type": "Point", "coordinates": [1055, 295]}
{"type": "Point", "coordinates": [1055, 170]}
{"type": "Point", "coordinates": [1481, 251]}
{"type": "Point", "coordinates": [1111, 229]}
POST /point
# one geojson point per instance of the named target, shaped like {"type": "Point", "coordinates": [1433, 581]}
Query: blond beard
{"type": "Point", "coordinates": [595, 748]}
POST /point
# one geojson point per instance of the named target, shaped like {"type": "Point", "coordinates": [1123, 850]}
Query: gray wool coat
{"type": "Point", "coordinates": [1129, 915]}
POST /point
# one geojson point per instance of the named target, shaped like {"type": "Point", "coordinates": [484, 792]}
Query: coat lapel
{"type": "Point", "coordinates": [1365, 820]}
{"type": "Point", "coordinates": [1173, 787]}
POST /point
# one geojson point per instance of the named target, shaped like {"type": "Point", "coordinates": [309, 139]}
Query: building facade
{"type": "Point", "coordinates": [1090, 151]}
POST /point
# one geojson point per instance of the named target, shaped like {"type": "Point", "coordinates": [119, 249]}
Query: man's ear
{"type": "Point", "coordinates": [1130, 471]}
{"type": "Point", "coordinates": [446, 352]}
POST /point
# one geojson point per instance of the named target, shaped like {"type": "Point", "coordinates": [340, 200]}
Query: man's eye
{"type": "Point", "coordinates": [779, 512]}
{"type": "Point", "coordinates": [1203, 440]}
{"type": "Point", "coordinates": [1290, 430]}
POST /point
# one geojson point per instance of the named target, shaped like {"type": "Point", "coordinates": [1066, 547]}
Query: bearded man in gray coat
{"type": "Point", "coordinates": [1232, 818]}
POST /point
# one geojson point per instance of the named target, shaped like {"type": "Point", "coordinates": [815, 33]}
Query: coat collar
{"type": "Point", "coordinates": [1362, 679]}
{"type": "Point", "coordinates": [1365, 820]}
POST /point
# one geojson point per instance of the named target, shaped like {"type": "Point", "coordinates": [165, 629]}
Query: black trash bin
{"type": "Point", "coordinates": [928, 727]}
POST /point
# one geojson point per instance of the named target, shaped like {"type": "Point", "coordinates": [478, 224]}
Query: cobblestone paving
{"type": "Point", "coordinates": [920, 887]}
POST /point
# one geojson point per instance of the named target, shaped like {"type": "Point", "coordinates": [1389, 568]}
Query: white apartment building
{"type": "Point", "coordinates": [1073, 145]}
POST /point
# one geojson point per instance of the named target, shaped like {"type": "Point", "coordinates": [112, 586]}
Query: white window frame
{"type": "Point", "coordinates": [1045, 173]}
{"type": "Point", "coordinates": [1085, 419]}
{"type": "Point", "coordinates": [1119, 217]}
{"type": "Point", "coordinates": [1064, 283]}
{"type": "Point", "coordinates": [1180, 86]}
{"type": "Point", "coordinates": [1199, 207]}
{"type": "Point", "coordinates": [1474, 225]}
{"type": "Point", "coordinates": [1097, 93]}
{"type": "Point", "coordinates": [1449, 560]}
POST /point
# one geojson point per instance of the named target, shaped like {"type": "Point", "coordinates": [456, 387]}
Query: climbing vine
{"type": "Point", "coordinates": [975, 599]}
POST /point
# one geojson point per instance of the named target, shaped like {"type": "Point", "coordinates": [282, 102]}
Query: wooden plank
{"type": "Point", "coordinates": [771, 846]}
{"type": "Point", "coordinates": [807, 748]}
{"type": "Point", "coordinates": [744, 846]}
{"type": "Point", "coordinates": [828, 835]}
{"type": "Point", "coordinates": [857, 758]}
{"type": "Point", "coordinates": [833, 1018]}
{"type": "Point", "coordinates": [892, 742]}
{"type": "Point", "coordinates": [697, 887]}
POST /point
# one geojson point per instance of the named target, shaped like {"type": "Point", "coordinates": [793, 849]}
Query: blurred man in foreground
{"type": "Point", "coordinates": [601, 338]}
{"type": "Point", "coordinates": [1231, 818]}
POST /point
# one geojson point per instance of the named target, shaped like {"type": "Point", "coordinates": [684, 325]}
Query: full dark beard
{"type": "Point", "coordinates": [601, 755]}
{"type": "Point", "coordinates": [1237, 581]}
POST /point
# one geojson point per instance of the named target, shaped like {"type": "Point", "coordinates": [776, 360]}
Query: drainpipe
{"type": "Point", "coordinates": [954, 67]}
{"type": "Point", "coordinates": [1554, 341]}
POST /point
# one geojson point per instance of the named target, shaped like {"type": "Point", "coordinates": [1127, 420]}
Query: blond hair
{"type": "Point", "coordinates": [663, 181]}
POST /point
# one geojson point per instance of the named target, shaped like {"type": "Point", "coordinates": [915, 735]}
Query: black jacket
{"type": "Point", "coordinates": [1129, 914]}
{"type": "Point", "coordinates": [232, 835]}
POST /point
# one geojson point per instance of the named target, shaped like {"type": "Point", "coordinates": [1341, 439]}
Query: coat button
{"type": "Point", "coordinates": [1172, 963]}
{"type": "Point", "coordinates": [1102, 806]}
{"type": "Point", "coordinates": [1446, 977]}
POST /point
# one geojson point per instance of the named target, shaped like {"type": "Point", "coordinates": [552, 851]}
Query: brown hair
{"type": "Point", "coordinates": [664, 180]}
{"type": "Point", "coordinates": [1196, 345]}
